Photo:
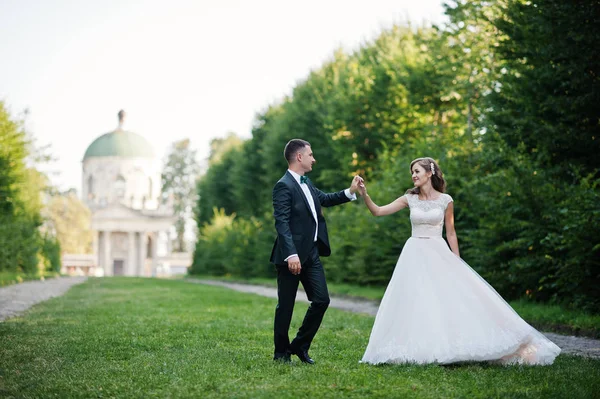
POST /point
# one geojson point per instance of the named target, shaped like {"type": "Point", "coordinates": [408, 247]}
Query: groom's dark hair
{"type": "Point", "coordinates": [292, 147]}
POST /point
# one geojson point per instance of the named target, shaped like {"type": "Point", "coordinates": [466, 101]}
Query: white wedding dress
{"type": "Point", "coordinates": [436, 309]}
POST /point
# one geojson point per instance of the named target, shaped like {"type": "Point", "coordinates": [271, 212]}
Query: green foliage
{"type": "Point", "coordinates": [50, 253]}
{"type": "Point", "coordinates": [233, 246]}
{"type": "Point", "coordinates": [250, 187]}
{"type": "Point", "coordinates": [13, 277]}
{"type": "Point", "coordinates": [551, 91]}
{"type": "Point", "coordinates": [504, 97]}
{"type": "Point", "coordinates": [69, 219]}
{"type": "Point", "coordinates": [215, 188]}
{"type": "Point", "coordinates": [179, 177]}
{"type": "Point", "coordinates": [535, 231]}
{"type": "Point", "coordinates": [21, 243]}
{"type": "Point", "coordinates": [221, 146]}
{"type": "Point", "coordinates": [13, 150]}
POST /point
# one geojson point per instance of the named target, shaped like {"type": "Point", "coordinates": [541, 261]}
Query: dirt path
{"type": "Point", "coordinates": [17, 298]}
{"type": "Point", "coordinates": [569, 344]}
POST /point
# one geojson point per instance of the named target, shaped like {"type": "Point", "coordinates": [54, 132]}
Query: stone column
{"type": "Point", "coordinates": [95, 240]}
{"type": "Point", "coordinates": [96, 250]}
{"type": "Point", "coordinates": [131, 257]}
{"type": "Point", "coordinates": [154, 253]}
{"type": "Point", "coordinates": [141, 256]}
{"type": "Point", "coordinates": [169, 243]}
{"type": "Point", "coordinates": [108, 262]}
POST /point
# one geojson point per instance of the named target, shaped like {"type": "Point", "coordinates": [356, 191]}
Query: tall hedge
{"type": "Point", "coordinates": [513, 124]}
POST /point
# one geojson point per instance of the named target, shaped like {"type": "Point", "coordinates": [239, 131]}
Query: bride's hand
{"type": "Point", "coordinates": [362, 188]}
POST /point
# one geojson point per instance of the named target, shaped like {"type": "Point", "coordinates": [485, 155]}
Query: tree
{"type": "Point", "coordinates": [215, 189]}
{"type": "Point", "coordinates": [179, 186]}
{"type": "Point", "coordinates": [251, 189]}
{"type": "Point", "coordinates": [550, 95]}
{"type": "Point", "coordinates": [220, 146]}
{"type": "Point", "coordinates": [535, 232]}
{"type": "Point", "coordinates": [69, 219]}
{"type": "Point", "coordinates": [22, 246]}
{"type": "Point", "coordinates": [491, 97]}
{"type": "Point", "coordinates": [472, 41]}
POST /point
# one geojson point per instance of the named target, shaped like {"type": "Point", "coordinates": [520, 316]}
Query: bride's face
{"type": "Point", "coordinates": [419, 175]}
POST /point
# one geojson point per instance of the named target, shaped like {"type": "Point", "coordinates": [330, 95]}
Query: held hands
{"type": "Point", "coordinates": [362, 188]}
{"type": "Point", "coordinates": [294, 265]}
{"type": "Point", "coordinates": [355, 186]}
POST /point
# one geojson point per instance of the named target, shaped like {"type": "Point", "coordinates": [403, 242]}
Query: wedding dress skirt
{"type": "Point", "coordinates": [437, 309]}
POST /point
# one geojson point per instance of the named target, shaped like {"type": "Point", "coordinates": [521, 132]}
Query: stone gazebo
{"type": "Point", "coordinates": [121, 186]}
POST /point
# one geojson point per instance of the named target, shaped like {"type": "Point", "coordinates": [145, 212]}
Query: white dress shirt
{"type": "Point", "coordinates": [311, 203]}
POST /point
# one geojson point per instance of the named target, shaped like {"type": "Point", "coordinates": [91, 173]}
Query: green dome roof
{"type": "Point", "coordinates": [120, 143]}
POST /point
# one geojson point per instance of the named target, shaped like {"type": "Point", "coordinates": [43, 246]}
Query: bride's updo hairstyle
{"type": "Point", "coordinates": [437, 176]}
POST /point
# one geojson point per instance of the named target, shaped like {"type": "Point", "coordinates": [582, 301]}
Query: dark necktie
{"type": "Point", "coordinates": [303, 179]}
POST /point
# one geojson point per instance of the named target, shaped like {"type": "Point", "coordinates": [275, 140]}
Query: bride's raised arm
{"type": "Point", "coordinates": [393, 207]}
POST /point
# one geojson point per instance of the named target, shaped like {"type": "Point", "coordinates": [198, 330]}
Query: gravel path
{"type": "Point", "coordinates": [569, 344]}
{"type": "Point", "coordinates": [17, 298]}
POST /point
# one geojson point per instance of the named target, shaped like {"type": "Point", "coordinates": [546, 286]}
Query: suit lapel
{"type": "Point", "coordinates": [300, 192]}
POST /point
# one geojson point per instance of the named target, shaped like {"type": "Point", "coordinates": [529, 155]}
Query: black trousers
{"type": "Point", "coordinates": [312, 277]}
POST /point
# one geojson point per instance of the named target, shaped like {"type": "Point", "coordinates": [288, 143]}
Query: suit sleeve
{"type": "Point", "coordinates": [282, 205]}
{"type": "Point", "coordinates": [331, 199]}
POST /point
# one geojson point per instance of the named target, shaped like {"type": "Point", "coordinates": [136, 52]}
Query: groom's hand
{"type": "Point", "coordinates": [294, 265]}
{"type": "Point", "coordinates": [354, 187]}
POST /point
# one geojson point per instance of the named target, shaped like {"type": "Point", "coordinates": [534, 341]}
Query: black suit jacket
{"type": "Point", "coordinates": [294, 221]}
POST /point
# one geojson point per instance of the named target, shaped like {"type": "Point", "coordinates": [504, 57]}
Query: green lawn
{"type": "Point", "coordinates": [131, 337]}
{"type": "Point", "coordinates": [553, 318]}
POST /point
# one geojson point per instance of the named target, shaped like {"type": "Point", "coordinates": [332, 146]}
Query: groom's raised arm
{"type": "Point", "coordinates": [332, 199]}
{"type": "Point", "coordinates": [282, 204]}
{"type": "Point", "coordinates": [341, 197]}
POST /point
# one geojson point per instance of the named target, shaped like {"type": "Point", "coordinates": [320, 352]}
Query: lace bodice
{"type": "Point", "coordinates": [427, 217]}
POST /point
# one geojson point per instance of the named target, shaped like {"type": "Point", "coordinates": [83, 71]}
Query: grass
{"type": "Point", "coordinates": [9, 278]}
{"type": "Point", "coordinates": [552, 318]}
{"type": "Point", "coordinates": [558, 319]}
{"type": "Point", "coordinates": [131, 337]}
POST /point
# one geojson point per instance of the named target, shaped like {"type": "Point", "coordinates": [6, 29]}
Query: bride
{"type": "Point", "coordinates": [436, 309]}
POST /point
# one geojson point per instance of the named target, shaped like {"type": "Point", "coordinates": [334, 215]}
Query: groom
{"type": "Point", "coordinates": [301, 239]}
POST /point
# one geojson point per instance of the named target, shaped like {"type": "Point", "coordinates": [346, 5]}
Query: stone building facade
{"type": "Point", "coordinates": [121, 184]}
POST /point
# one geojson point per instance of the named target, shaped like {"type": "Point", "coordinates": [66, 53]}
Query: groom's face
{"type": "Point", "coordinates": [306, 159]}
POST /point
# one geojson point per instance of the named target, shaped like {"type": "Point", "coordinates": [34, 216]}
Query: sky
{"type": "Point", "coordinates": [180, 69]}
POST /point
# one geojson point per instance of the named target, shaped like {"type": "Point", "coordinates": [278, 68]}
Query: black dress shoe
{"type": "Point", "coordinates": [304, 357]}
